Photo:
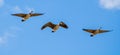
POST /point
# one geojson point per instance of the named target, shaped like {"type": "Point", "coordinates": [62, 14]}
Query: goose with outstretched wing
{"type": "Point", "coordinates": [54, 27]}
{"type": "Point", "coordinates": [27, 16]}
{"type": "Point", "coordinates": [95, 31]}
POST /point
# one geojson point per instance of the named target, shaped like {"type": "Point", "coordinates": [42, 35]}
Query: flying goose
{"type": "Point", "coordinates": [95, 31]}
{"type": "Point", "coordinates": [54, 27]}
{"type": "Point", "coordinates": [26, 16]}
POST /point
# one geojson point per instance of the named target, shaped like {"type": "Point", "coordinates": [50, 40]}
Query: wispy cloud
{"type": "Point", "coordinates": [20, 10]}
{"type": "Point", "coordinates": [1, 2]}
{"type": "Point", "coordinates": [10, 33]}
{"type": "Point", "coordinates": [110, 4]}
{"type": "Point", "coordinates": [17, 9]}
{"type": "Point", "coordinates": [29, 9]}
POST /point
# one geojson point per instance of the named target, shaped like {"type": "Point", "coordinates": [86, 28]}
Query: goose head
{"type": "Point", "coordinates": [31, 12]}
{"type": "Point", "coordinates": [60, 23]}
{"type": "Point", "coordinates": [100, 28]}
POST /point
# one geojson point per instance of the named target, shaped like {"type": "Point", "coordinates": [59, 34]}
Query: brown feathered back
{"type": "Point", "coordinates": [49, 24]}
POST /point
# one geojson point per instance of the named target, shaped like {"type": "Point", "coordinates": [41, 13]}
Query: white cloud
{"type": "Point", "coordinates": [29, 9]}
{"type": "Point", "coordinates": [20, 10]}
{"type": "Point", "coordinates": [16, 9]}
{"type": "Point", "coordinates": [110, 4]}
{"type": "Point", "coordinates": [4, 38]}
{"type": "Point", "coordinates": [1, 3]}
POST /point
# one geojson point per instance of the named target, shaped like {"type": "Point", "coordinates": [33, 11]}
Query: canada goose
{"type": "Point", "coordinates": [54, 27]}
{"type": "Point", "coordinates": [95, 31]}
{"type": "Point", "coordinates": [27, 16]}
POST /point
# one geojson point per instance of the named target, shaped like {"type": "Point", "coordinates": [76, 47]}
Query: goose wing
{"type": "Point", "coordinates": [20, 15]}
{"type": "Point", "coordinates": [49, 24]}
{"type": "Point", "coordinates": [89, 30]}
{"type": "Point", "coordinates": [102, 31]}
{"type": "Point", "coordinates": [62, 24]}
{"type": "Point", "coordinates": [36, 14]}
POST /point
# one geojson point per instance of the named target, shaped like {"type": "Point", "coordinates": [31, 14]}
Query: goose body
{"type": "Point", "coordinates": [54, 27]}
{"type": "Point", "coordinates": [26, 16]}
{"type": "Point", "coordinates": [95, 31]}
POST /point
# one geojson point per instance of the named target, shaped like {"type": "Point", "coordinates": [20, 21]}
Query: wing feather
{"type": "Point", "coordinates": [102, 31]}
{"type": "Point", "coordinates": [49, 24]}
{"type": "Point", "coordinates": [62, 24]}
{"type": "Point", "coordinates": [89, 30]}
{"type": "Point", "coordinates": [20, 15]}
{"type": "Point", "coordinates": [36, 14]}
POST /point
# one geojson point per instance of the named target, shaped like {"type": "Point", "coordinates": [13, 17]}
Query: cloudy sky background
{"type": "Point", "coordinates": [26, 38]}
{"type": "Point", "coordinates": [110, 4]}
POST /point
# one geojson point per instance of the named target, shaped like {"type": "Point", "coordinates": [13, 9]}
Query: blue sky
{"type": "Point", "coordinates": [26, 38]}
